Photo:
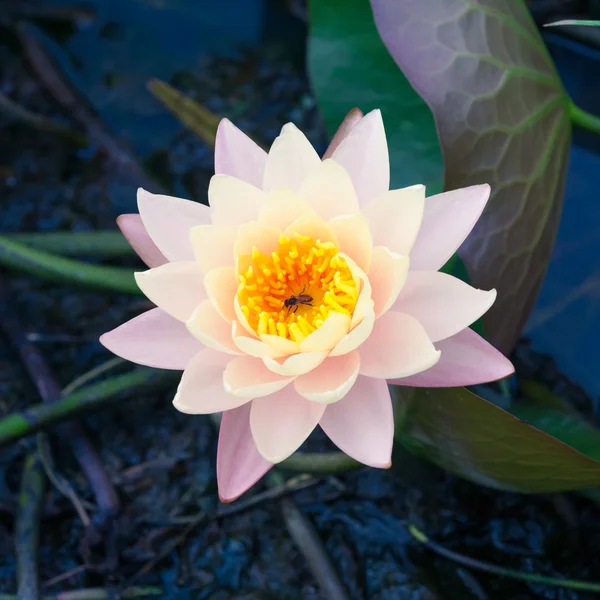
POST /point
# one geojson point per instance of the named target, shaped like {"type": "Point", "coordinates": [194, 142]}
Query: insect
{"type": "Point", "coordinates": [295, 301]}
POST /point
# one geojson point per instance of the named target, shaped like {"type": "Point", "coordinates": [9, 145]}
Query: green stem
{"type": "Point", "coordinates": [101, 244]}
{"type": "Point", "coordinates": [496, 570]}
{"type": "Point", "coordinates": [315, 462]}
{"type": "Point", "coordinates": [27, 534]}
{"type": "Point", "coordinates": [88, 376]}
{"type": "Point", "coordinates": [41, 416]}
{"type": "Point", "coordinates": [42, 264]}
{"type": "Point", "coordinates": [96, 594]}
{"type": "Point", "coordinates": [584, 119]}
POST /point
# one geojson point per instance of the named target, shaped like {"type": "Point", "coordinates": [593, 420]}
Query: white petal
{"type": "Point", "coordinates": [176, 287]}
{"type": "Point", "coordinates": [444, 305]}
{"type": "Point", "coordinates": [364, 154]}
{"type": "Point", "coordinates": [168, 221]}
{"type": "Point", "coordinates": [290, 160]}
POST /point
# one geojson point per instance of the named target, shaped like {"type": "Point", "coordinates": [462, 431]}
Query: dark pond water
{"type": "Point", "coordinates": [243, 58]}
{"type": "Point", "coordinates": [566, 319]}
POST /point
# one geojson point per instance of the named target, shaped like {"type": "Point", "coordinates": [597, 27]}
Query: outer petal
{"type": "Point", "coordinates": [448, 219]}
{"type": "Point", "coordinates": [221, 287]}
{"type": "Point", "coordinates": [361, 424]}
{"type": "Point", "coordinates": [397, 347]}
{"type": "Point", "coordinates": [247, 377]}
{"type": "Point", "coordinates": [176, 287]}
{"type": "Point", "coordinates": [358, 335]}
{"type": "Point", "coordinates": [467, 359]}
{"type": "Point", "coordinates": [297, 364]}
{"type": "Point", "coordinates": [237, 155]}
{"type": "Point", "coordinates": [168, 221]}
{"type": "Point", "coordinates": [387, 276]}
{"type": "Point", "coordinates": [364, 154]}
{"type": "Point", "coordinates": [444, 305]}
{"type": "Point", "coordinates": [207, 326]}
{"type": "Point", "coordinates": [233, 201]}
{"type": "Point", "coordinates": [329, 190]}
{"type": "Point", "coordinates": [153, 339]}
{"type": "Point", "coordinates": [201, 391]}
{"type": "Point", "coordinates": [395, 218]}
{"type": "Point", "coordinates": [239, 465]}
{"type": "Point", "coordinates": [213, 246]}
{"type": "Point", "coordinates": [281, 422]}
{"type": "Point", "coordinates": [352, 119]}
{"type": "Point", "coordinates": [354, 238]}
{"type": "Point", "coordinates": [290, 160]}
{"type": "Point", "coordinates": [331, 380]}
{"type": "Point", "coordinates": [133, 229]}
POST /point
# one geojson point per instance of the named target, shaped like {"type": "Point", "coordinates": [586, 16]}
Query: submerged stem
{"type": "Point", "coordinates": [42, 264]}
{"type": "Point", "coordinates": [473, 563]}
{"type": "Point", "coordinates": [584, 119]}
{"type": "Point", "coordinates": [41, 416]}
{"type": "Point", "coordinates": [100, 244]}
{"type": "Point", "coordinates": [31, 500]}
{"type": "Point", "coordinates": [316, 462]}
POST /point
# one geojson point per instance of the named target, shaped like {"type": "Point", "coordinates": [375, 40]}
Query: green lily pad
{"type": "Point", "coordinates": [349, 66]}
{"type": "Point", "coordinates": [503, 118]}
{"type": "Point", "coordinates": [473, 438]}
{"type": "Point", "coordinates": [567, 427]}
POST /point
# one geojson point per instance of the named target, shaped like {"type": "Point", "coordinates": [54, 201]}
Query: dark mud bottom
{"type": "Point", "coordinates": [162, 462]}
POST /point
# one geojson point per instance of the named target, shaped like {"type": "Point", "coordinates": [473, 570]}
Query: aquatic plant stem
{"type": "Point", "coordinates": [27, 535]}
{"type": "Point", "coordinates": [92, 374]}
{"type": "Point", "coordinates": [100, 244]}
{"type": "Point", "coordinates": [473, 563]}
{"type": "Point", "coordinates": [584, 119]}
{"type": "Point", "coordinates": [319, 463]}
{"type": "Point", "coordinates": [99, 395]}
{"type": "Point", "coordinates": [96, 594]}
{"type": "Point", "coordinates": [42, 264]}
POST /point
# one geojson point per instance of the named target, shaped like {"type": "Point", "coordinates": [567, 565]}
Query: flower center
{"type": "Point", "coordinates": [291, 292]}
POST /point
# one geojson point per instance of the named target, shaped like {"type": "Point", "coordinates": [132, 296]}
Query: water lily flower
{"type": "Point", "coordinates": [300, 292]}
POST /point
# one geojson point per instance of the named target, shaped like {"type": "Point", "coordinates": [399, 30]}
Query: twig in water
{"type": "Point", "coordinates": [77, 13]}
{"type": "Point", "coordinates": [56, 84]}
{"type": "Point", "coordinates": [58, 481]}
{"type": "Point", "coordinates": [292, 485]}
{"type": "Point", "coordinates": [106, 496]}
{"type": "Point", "coordinates": [473, 563]}
{"type": "Point", "coordinates": [307, 539]}
{"type": "Point", "coordinates": [31, 499]}
{"type": "Point", "coordinates": [66, 575]}
{"type": "Point", "coordinates": [18, 112]}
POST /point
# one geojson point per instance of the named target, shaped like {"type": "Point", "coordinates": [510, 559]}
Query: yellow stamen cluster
{"type": "Point", "coordinates": [311, 273]}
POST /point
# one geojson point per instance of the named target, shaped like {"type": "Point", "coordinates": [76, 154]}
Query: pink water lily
{"type": "Point", "coordinates": [304, 289]}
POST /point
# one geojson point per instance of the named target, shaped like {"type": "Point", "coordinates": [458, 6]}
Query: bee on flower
{"type": "Point", "coordinates": [300, 292]}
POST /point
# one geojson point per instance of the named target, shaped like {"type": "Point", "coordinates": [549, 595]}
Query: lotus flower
{"type": "Point", "coordinates": [304, 289]}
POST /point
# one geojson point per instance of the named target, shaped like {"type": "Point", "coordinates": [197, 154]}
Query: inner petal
{"type": "Point", "coordinates": [291, 292]}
